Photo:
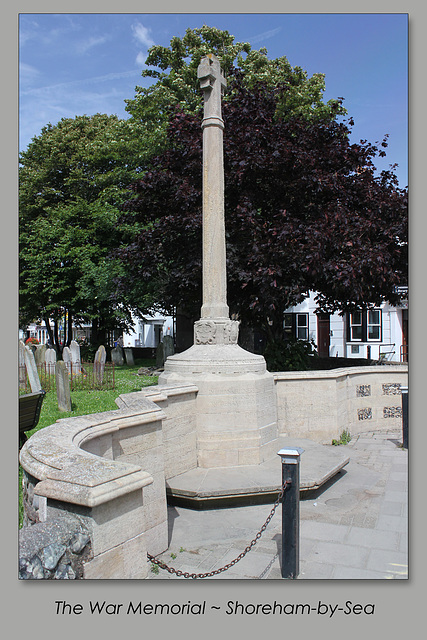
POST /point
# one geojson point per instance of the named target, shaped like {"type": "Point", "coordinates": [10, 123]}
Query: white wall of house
{"type": "Point", "coordinates": [386, 336]}
{"type": "Point", "coordinates": [148, 332]}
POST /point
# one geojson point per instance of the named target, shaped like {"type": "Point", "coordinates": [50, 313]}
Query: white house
{"type": "Point", "coordinates": [149, 331]}
{"type": "Point", "coordinates": [379, 333]}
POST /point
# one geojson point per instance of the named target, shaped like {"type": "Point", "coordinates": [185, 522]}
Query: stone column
{"type": "Point", "coordinates": [214, 327]}
{"type": "Point", "coordinates": [236, 407]}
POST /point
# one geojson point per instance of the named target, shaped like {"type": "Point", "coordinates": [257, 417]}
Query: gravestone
{"type": "Point", "coordinates": [160, 355]}
{"type": "Point", "coordinates": [117, 356]}
{"type": "Point", "coordinates": [67, 358]}
{"type": "Point", "coordinates": [168, 347]}
{"type": "Point", "coordinates": [99, 364]}
{"type": "Point", "coordinates": [62, 380]}
{"type": "Point", "coordinates": [32, 372]}
{"type": "Point", "coordinates": [75, 357]}
{"type": "Point", "coordinates": [40, 354]}
{"type": "Point", "coordinates": [129, 357]}
{"type": "Point", "coordinates": [22, 372]}
{"type": "Point", "coordinates": [50, 359]}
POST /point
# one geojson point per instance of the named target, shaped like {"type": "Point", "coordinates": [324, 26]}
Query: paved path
{"type": "Point", "coordinates": [353, 528]}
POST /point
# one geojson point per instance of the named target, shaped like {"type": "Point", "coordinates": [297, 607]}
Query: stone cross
{"type": "Point", "coordinates": [215, 326]}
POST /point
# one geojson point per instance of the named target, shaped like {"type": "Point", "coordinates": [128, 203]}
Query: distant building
{"type": "Point", "coordinates": [149, 331]}
{"type": "Point", "coordinates": [146, 332]}
{"type": "Point", "coordinates": [380, 333]}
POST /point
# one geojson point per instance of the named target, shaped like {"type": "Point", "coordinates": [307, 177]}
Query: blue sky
{"type": "Point", "coordinates": [74, 64]}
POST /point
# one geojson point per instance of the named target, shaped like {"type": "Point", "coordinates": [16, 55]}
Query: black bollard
{"type": "Point", "coordinates": [405, 410]}
{"type": "Point", "coordinates": [290, 511]}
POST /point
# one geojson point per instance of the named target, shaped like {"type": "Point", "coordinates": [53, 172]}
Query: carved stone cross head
{"type": "Point", "coordinates": [213, 83]}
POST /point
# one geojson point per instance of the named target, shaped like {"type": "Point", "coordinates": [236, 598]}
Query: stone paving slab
{"type": "Point", "coordinates": [347, 531]}
{"type": "Point", "coordinates": [318, 463]}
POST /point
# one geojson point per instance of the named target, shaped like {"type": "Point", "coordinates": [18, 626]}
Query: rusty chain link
{"type": "Point", "coordinates": [195, 576]}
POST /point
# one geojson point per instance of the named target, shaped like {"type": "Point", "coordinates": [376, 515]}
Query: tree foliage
{"type": "Point", "coordinates": [71, 183]}
{"type": "Point", "coordinates": [175, 70]}
{"type": "Point", "coordinates": [304, 211]}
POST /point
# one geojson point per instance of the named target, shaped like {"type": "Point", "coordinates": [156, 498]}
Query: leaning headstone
{"type": "Point", "coordinates": [67, 358]}
{"type": "Point", "coordinates": [99, 364]}
{"type": "Point", "coordinates": [22, 371]}
{"type": "Point", "coordinates": [75, 357]}
{"type": "Point", "coordinates": [168, 347]}
{"type": "Point", "coordinates": [32, 373]}
{"type": "Point", "coordinates": [129, 357]}
{"type": "Point", "coordinates": [117, 356]}
{"type": "Point", "coordinates": [63, 393]}
{"type": "Point", "coordinates": [50, 359]}
{"type": "Point", "coordinates": [160, 355]}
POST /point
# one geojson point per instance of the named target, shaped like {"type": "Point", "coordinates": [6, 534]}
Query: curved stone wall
{"type": "Point", "coordinates": [320, 405]}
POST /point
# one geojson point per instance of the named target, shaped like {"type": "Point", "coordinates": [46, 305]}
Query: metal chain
{"type": "Point", "coordinates": [250, 546]}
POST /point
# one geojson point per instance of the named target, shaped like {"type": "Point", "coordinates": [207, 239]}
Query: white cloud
{"type": "Point", "coordinates": [141, 58]}
{"type": "Point", "coordinates": [48, 90]}
{"type": "Point", "coordinates": [84, 46]}
{"type": "Point", "coordinates": [142, 35]}
{"type": "Point", "coordinates": [99, 94]}
{"type": "Point", "coordinates": [265, 36]}
{"type": "Point", "coordinates": [28, 32]}
{"type": "Point", "coordinates": [27, 73]}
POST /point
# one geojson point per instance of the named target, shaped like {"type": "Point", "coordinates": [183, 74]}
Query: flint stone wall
{"type": "Point", "coordinates": [54, 550]}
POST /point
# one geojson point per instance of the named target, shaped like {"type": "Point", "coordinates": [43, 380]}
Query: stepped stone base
{"type": "Point", "coordinates": [251, 484]}
{"type": "Point", "coordinates": [236, 406]}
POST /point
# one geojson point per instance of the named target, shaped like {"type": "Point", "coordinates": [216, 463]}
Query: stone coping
{"type": "Point", "coordinates": [318, 463]}
{"type": "Point", "coordinates": [341, 372]}
{"type": "Point", "coordinates": [66, 472]}
{"type": "Point", "coordinates": [214, 358]}
{"type": "Point", "coordinates": [153, 394]}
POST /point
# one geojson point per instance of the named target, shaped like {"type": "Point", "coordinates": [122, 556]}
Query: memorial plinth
{"type": "Point", "coordinates": [236, 401]}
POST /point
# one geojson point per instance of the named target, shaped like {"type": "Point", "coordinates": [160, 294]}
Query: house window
{"type": "Point", "coordinates": [295, 325]}
{"type": "Point", "coordinates": [364, 326]}
{"type": "Point", "coordinates": [374, 324]}
{"type": "Point", "coordinates": [356, 329]}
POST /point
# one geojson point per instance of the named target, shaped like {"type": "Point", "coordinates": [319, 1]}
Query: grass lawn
{"type": "Point", "coordinates": [91, 401]}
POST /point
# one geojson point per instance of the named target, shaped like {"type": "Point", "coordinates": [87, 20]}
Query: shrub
{"type": "Point", "coordinates": [290, 355]}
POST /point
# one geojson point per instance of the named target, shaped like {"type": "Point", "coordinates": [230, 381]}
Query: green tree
{"type": "Point", "coordinates": [304, 211]}
{"type": "Point", "coordinates": [175, 72]}
{"type": "Point", "coordinates": [72, 181]}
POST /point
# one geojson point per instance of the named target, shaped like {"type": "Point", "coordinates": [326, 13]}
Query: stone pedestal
{"type": "Point", "coordinates": [236, 413]}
